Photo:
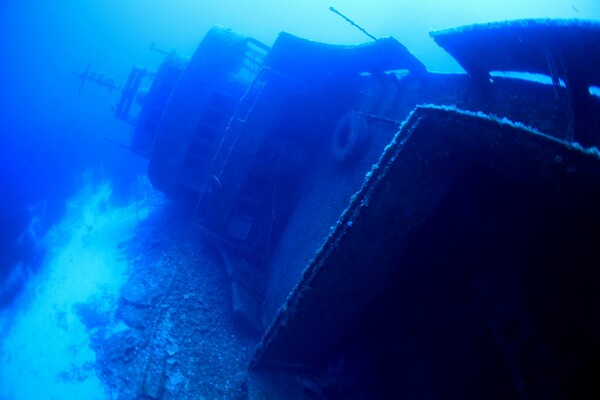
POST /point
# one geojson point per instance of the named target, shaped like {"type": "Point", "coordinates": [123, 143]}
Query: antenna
{"type": "Point", "coordinates": [82, 77]}
{"type": "Point", "coordinates": [157, 50]}
{"type": "Point", "coordinates": [352, 23]}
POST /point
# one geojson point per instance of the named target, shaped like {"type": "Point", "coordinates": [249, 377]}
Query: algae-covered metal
{"type": "Point", "coordinates": [407, 227]}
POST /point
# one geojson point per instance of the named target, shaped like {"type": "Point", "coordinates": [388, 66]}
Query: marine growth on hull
{"type": "Point", "coordinates": [363, 227]}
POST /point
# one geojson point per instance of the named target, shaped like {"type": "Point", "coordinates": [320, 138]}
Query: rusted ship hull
{"type": "Point", "coordinates": [414, 234]}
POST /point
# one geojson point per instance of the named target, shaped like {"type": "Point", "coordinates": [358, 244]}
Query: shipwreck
{"type": "Point", "coordinates": [387, 231]}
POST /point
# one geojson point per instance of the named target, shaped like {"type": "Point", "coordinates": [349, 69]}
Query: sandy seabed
{"type": "Point", "coordinates": [45, 349]}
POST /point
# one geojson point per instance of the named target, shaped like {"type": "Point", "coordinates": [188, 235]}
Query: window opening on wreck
{"type": "Point", "coordinates": [242, 219]}
{"type": "Point", "coordinates": [206, 133]}
{"type": "Point", "coordinates": [210, 127]}
{"type": "Point", "coordinates": [201, 147]}
{"type": "Point", "coordinates": [218, 108]}
{"type": "Point", "coordinates": [214, 117]}
{"type": "Point", "coordinates": [253, 59]}
{"type": "Point", "coordinates": [398, 73]}
{"type": "Point", "coordinates": [594, 91]}
{"type": "Point", "coordinates": [527, 76]}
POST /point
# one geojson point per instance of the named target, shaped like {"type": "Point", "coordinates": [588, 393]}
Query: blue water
{"type": "Point", "coordinates": [66, 192]}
